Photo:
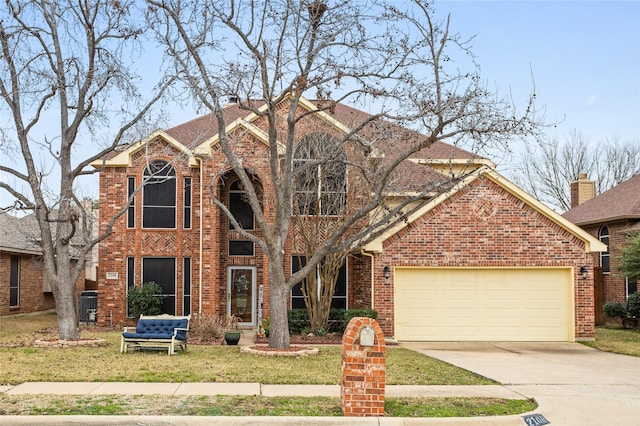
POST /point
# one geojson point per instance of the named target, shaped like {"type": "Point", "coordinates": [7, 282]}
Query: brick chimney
{"type": "Point", "coordinates": [582, 190]}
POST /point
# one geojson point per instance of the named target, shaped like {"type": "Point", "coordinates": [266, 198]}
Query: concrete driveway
{"type": "Point", "coordinates": [572, 383]}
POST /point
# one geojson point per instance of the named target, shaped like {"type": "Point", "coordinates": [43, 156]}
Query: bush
{"type": "Point", "coordinates": [352, 313]}
{"type": "Point", "coordinates": [208, 327]}
{"type": "Point", "coordinates": [338, 319]}
{"type": "Point", "coordinates": [145, 299]}
{"type": "Point", "coordinates": [615, 310]}
{"type": "Point", "coordinates": [298, 320]}
{"type": "Point", "coordinates": [627, 315]}
{"type": "Point", "coordinates": [633, 305]}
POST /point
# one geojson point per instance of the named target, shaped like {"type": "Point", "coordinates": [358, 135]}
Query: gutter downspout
{"type": "Point", "coordinates": [372, 277]}
{"type": "Point", "coordinates": [200, 239]}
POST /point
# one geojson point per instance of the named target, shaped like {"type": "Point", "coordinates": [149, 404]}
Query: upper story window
{"type": "Point", "coordinates": [319, 170]}
{"type": "Point", "coordinates": [239, 206]}
{"type": "Point", "coordinates": [159, 196]}
{"type": "Point", "coordinates": [131, 211]}
{"type": "Point", "coordinates": [186, 203]}
{"type": "Point", "coordinates": [603, 236]}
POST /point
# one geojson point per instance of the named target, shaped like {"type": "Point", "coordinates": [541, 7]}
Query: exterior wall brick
{"type": "Point", "coordinates": [615, 286]}
{"type": "Point", "coordinates": [31, 297]}
{"type": "Point", "coordinates": [363, 371]}
{"type": "Point", "coordinates": [485, 226]}
{"type": "Point", "coordinates": [481, 225]}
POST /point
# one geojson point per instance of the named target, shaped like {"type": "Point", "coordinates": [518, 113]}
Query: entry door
{"type": "Point", "coordinates": [241, 294]}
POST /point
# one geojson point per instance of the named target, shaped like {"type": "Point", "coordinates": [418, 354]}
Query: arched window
{"type": "Point", "coordinates": [319, 171]}
{"type": "Point", "coordinates": [159, 196]}
{"type": "Point", "coordinates": [603, 236]}
{"type": "Point", "coordinates": [239, 206]}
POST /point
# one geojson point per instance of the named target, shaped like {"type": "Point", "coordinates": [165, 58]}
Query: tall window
{"type": "Point", "coordinates": [186, 286]}
{"type": "Point", "coordinates": [131, 211]}
{"type": "Point", "coordinates": [603, 236]}
{"type": "Point", "coordinates": [14, 282]}
{"type": "Point", "coordinates": [319, 169]}
{"type": "Point", "coordinates": [131, 279]}
{"type": "Point", "coordinates": [339, 299]}
{"type": "Point", "coordinates": [159, 196]}
{"type": "Point", "coordinates": [186, 211]}
{"type": "Point", "coordinates": [239, 206]}
{"type": "Point", "coordinates": [632, 286]}
{"type": "Point", "coordinates": [162, 271]}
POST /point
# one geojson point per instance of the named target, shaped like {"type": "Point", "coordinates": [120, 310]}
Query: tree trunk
{"type": "Point", "coordinates": [278, 300]}
{"type": "Point", "coordinates": [66, 306]}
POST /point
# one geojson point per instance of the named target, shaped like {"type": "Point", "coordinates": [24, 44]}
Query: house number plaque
{"type": "Point", "coordinates": [535, 420]}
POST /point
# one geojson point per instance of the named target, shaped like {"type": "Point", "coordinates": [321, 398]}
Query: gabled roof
{"type": "Point", "coordinates": [622, 202]}
{"type": "Point", "coordinates": [123, 158]}
{"type": "Point", "coordinates": [19, 235]}
{"type": "Point", "coordinates": [197, 136]}
{"type": "Point", "coordinates": [591, 244]}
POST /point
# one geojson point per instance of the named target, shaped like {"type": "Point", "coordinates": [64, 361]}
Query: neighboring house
{"type": "Point", "coordinates": [611, 217]}
{"type": "Point", "coordinates": [23, 288]}
{"type": "Point", "coordinates": [482, 261]}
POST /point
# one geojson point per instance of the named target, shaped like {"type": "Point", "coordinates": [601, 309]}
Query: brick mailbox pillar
{"type": "Point", "coordinates": [362, 384]}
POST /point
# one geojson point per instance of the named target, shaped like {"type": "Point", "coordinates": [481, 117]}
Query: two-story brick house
{"type": "Point", "coordinates": [612, 217]}
{"type": "Point", "coordinates": [480, 261]}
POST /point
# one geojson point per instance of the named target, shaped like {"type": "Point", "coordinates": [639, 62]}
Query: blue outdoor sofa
{"type": "Point", "coordinates": [157, 332]}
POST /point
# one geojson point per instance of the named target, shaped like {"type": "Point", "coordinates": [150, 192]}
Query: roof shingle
{"type": "Point", "coordinates": [618, 203]}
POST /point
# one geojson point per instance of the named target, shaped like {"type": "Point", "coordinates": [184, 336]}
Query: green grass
{"type": "Point", "coordinates": [24, 363]}
{"type": "Point", "coordinates": [21, 362]}
{"type": "Point", "coordinates": [123, 405]}
{"type": "Point", "coordinates": [614, 339]}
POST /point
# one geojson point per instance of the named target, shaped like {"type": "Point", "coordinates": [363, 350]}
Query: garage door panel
{"type": "Point", "coordinates": [483, 304]}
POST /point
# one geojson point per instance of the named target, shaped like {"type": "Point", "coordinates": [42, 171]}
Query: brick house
{"type": "Point", "coordinates": [481, 261]}
{"type": "Point", "coordinates": [23, 289]}
{"type": "Point", "coordinates": [611, 217]}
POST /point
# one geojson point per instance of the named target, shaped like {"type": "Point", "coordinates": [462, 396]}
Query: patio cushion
{"type": "Point", "coordinates": [159, 329]}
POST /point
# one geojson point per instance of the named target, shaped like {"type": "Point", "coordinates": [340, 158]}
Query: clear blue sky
{"type": "Point", "coordinates": [584, 56]}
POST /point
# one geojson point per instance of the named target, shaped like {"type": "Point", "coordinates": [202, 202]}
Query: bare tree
{"type": "Point", "coordinates": [406, 69]}
{"type": "Point", "coordinates": [65, 82]}
{"type": "Point", "coordinates": [547, 169]}
{"type": "Point", "coordinates": [319, 208]}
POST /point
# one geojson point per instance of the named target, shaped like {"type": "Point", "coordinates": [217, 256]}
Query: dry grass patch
{"type": "Point", "coordinates": [127, 405]}
{"type": "Point", "coordinates": [615, 339]}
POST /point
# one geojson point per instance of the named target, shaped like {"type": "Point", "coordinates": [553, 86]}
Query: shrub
{"type": "Point", "coordinates": [145, 299]}
{"type": "Point", "coordinates": [627, 315]}
{"type": "Point", "coordinates": [298, 320]}
{"type": "Point", "coordinates": [615, 310]}
{"type": "Point", "coordinates": [352, 313]}
{"type": "Point", "coordinates": [208, 327]}
{"type": "Point", "coordinates": [338, 319]}
{"type": "Point", "coordinates": [633, 305]}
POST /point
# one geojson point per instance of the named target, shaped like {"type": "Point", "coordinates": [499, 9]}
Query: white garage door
{"type": "Point", "coordinates": [469, 304]}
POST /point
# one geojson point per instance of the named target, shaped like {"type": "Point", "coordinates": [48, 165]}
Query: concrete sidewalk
{"type": "Point", "coordinates": [211, 389]}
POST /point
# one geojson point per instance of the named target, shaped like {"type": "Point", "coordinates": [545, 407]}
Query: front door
{"type": "Point", "coordinates": [241, 294]}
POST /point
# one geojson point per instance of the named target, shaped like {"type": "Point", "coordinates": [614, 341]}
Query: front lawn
{"type": "Point", "coordinates": [21, 362]}
{"type": "Point", "coordinates": [615, 339]}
